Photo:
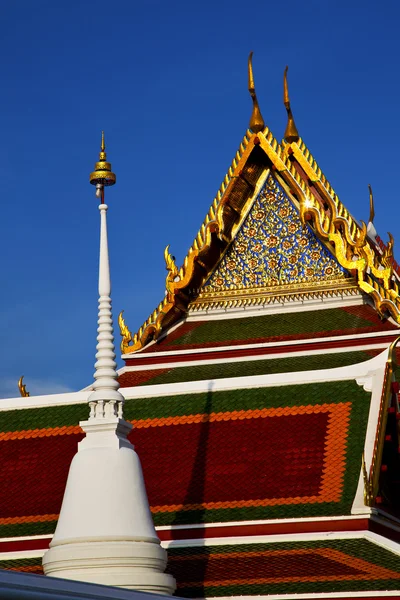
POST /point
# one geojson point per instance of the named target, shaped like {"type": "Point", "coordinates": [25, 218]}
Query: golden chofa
{"type": "Point", "coordinates": [102, 173]}
{"type": "Point", "coordinates": [291, 133]}
{"type": "Point", "coordinates": [256, 120]}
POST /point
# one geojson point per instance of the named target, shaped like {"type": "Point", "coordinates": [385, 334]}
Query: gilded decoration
{"type": "Point", "coordinates": [273, 248]}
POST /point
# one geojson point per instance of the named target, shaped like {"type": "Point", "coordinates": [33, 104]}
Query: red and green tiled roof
{"type": "Point", "coordinates": [283, 568]}
{"type": "Point", "coordinates": [244, 368]}
{"type": "Point", "coordinates": [302, 567]}
{"type": "Point", "coordinates": [297, 448]}
{"type": "Point", "coordinates": [269, 328]}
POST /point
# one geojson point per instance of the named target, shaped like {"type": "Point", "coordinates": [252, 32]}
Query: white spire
{"type": "Point", "coordinates": [105, 401]}
{"type": "Point", "coordinates": [105, 533]}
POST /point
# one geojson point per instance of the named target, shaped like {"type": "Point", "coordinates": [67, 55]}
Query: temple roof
{"type": "Point", "coordinates": [304, 566]}
{"type": "Point", "coordinates": [210, 436]}
{"type": "Point", "coordinates": [276, 231]}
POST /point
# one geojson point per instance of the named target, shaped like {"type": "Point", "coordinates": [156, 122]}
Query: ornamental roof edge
{"type": "Point", "coordinates": [319, 206]}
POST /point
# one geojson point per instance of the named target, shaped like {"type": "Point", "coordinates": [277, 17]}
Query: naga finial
{"type": "Point", "coordinates": [171, 268]}
{"type": "Point", "coordinates": [371, 205]}
{"type": "Point", "coordinates": [124, 331]}
{"type": "Point", "coordinates": [22, 388]}
{"type": "Point", "coordinates": [361, 235]}
{"type": "Point", "coordinates": [387, 256]}
{"type": "Point", "coordinates": [291, 133]}
{"type": "Point", "coordinates": [256, 120]}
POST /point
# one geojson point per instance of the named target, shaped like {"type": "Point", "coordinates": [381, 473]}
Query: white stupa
{"type": "Point", "coordinates": [105, 533]}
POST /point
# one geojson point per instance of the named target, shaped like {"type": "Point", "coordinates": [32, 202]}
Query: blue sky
{"type": "Point", "coordinates": [167, 82]}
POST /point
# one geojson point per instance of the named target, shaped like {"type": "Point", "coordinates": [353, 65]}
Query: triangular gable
{"type": "Point", "coordinates": [320, 209]}
{"type": "Point", "coordinates": [274, 248]}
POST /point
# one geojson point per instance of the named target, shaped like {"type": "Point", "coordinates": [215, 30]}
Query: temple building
{"type": "Point", "coordinates": [264, 401]}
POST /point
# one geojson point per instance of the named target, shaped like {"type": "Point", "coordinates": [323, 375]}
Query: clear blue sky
{"type": "Point", "coordinates": [167, 82]}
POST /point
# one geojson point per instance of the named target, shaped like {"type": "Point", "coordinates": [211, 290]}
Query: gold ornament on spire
{"type": "Point", "coordinates": [256, 120]}
{"type": "Point", "coordinates": [291, 133]}
{"type": "Point", "coordinates": [102, 173]}
{"type": "Point", "coordinates": [22, 388]}
{"type": "Point", "coordinates": [371, 205]}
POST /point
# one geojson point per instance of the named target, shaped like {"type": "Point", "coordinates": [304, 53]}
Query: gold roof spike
{"type": "Point", "coordinates": [256, 120]}
{"type": "Point", "coordinates": [291, 133]}
{"type": "Point", "coordinates": [22, 388]}
{"type": "Point", "coordinates": [102, 173]}
{"type": "Point", "coordinates": [371, 205]}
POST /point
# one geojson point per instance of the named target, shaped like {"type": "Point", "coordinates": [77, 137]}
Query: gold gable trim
{"type": "Point", "coordinates": [243, 297]}
{"type": "Point", "coordinates": [319, 207]}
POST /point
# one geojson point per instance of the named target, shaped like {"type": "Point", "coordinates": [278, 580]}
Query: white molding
{"type": "Point", "coordinates": [264, 539]}
{"type": "Point", "coordinates": [370, 436]}
{"type": "Point", "coordinates": [286, 537]}
{"type": "Point", "coordinates": [216, 349]}
{"type": "Point", "coordinates": [266, 521]}
{"type": "Point", "coordinates": [20, 554]}
{"type": "Point", "coordinates": [359, 371]}
{"type": "Point", "coordinates": [259, 357]}
{"type": "Point", "coordinates": [44, 401]}
{"type": "Point", "coordinates": [23, 538]}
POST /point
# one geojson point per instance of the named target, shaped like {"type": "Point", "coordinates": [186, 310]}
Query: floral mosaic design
{"type": "Point", "coordinates": [273, 248]}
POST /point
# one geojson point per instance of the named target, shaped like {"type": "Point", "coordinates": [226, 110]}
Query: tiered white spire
{"type": "Point", "coordinates": [105, 401]}
{"type": "Point", "coordinates": [105, 533]}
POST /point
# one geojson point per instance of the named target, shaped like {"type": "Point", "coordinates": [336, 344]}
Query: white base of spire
{"type": "Point", "coordinates": [131, 565]}
{"type": "Point", "coordinates": [105, 533]}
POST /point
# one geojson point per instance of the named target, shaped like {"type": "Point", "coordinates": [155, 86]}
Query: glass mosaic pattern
{"type": "Point", "coordinates": [273, 248]}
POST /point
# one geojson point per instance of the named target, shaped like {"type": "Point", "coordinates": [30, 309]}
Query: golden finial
{"type": "Point", "coordinates": [291, 133]}
{"type": "Point", "coordinates": [371, 205]}
{"type": "Point", "coordinates": [387, 256]}
{"type": "Point", "coordinates": [256, 120]}
{"type": "Point", "coordinates": [125, 333]}
{"type": "Point", "coordinates": [22, 388]}
{"type": "Point", "coordinates": [171, 267]}
{"type": "Point", "coordinates": [102, 173]}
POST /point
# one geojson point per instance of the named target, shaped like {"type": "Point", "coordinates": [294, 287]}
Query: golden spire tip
{"type": "Point", "coordinates": [102, 173]}
{"type": "Point", "coordinates": [256, 120]}
{"type": "Point", "coordinates": [291, 133]}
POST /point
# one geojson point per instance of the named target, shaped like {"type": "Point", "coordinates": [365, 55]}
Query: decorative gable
{"type": "Point", "coordinates": [274, 248]}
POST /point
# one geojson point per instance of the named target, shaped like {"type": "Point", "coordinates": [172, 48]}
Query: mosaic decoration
{"type": "Point", "coordinates": [273, 248]}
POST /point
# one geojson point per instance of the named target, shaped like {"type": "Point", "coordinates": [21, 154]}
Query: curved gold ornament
{"type": "Point", "coordinates": [371, 205]}
{"type": "Point", "coordinates": [125, 333]}
{"type": "Point", "coordinates": [172, 269]}
{"type": "Point", "coordinates": [353, 251]}
{"type": "Point", "coordinates": [291, 133]}
{"type": "Point", "coordinates": [387, 256]}
{"type": "Point", "coordinates": [22, 388]}
{"type": "Point", "coordinates": [256, 120]}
